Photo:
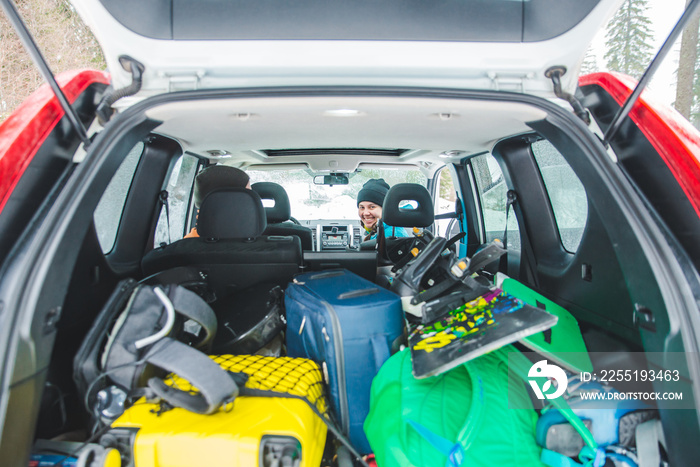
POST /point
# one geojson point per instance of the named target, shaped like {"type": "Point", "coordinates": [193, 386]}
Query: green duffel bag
{"type": "Point", "coordinates": [457, 418]}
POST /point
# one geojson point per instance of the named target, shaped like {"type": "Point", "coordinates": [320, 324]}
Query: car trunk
{"type": "Point", "coordinates": [632, 283]}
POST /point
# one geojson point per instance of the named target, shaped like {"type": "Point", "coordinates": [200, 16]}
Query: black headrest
{"type": "Point", "coordinates": [281, 211]}
{"type": "Point", "coordinates": [231, 213]}
{"type": "Point", "coordinates": [419, 214]}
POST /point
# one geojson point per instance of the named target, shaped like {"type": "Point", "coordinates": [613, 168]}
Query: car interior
{"type": "Point", "coordinates": [524, 170]}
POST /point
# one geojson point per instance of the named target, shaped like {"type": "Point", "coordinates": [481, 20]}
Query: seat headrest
{"type": "Point", "coordinates": [420, 213]}
{"type": "Point", "coordinates": [281, 211]}
{"type": "Point", "coordinates": [231, 213]}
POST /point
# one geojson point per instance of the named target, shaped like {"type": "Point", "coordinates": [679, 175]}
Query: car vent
{"type": "Point", "coordinates": [334, 151]}
{"type": "Point", "coordinates": [356, 234]}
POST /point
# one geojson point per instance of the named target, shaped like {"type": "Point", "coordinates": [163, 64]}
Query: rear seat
{"type": "Point", "coordinates": [231, 251]}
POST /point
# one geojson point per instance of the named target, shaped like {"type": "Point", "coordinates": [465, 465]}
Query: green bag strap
{"type": "Point", "coordinates": [521, 366]}
{"type": "Point", "coordinates": [591, 455]}
{"type": "Point", "coordinates": [453, 451]}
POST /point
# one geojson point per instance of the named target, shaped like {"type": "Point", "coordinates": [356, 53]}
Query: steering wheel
{"type": "Point", "coordinates": [294, 221]}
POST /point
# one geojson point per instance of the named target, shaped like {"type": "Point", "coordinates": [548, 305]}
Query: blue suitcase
{"type": "Point", "coordinates": [350, 326]}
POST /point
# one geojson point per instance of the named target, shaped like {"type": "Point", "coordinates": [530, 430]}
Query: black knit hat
{"type": "Point", "coordinates": [215, 177]}
{"type": "Point", "coordinates": [374, 190]}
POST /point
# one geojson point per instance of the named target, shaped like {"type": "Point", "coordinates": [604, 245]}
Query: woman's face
{"type": "Point", "coordinates": [369, 213]}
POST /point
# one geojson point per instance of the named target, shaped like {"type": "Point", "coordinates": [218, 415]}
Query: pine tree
{"type": "Point", "coordinates": [695, 109]}
{"type": "Point", "coordinates": [686, 76]}
{"type": "Point", "coordinates": [590, 63]}
{"type": "Point", "coordinates": [628, 39]}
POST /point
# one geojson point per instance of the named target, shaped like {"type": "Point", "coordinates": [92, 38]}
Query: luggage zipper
{"type": "Point", "coordinates": [339, 353]}
{"type": "Point", "coordinates": [340, 363]}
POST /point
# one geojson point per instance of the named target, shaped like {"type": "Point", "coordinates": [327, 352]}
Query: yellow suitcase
{"type": "Point", "coordinates": [253, 431]}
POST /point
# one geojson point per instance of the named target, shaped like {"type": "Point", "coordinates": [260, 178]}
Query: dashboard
{"type": "Point", "coordinates": [334, 235]}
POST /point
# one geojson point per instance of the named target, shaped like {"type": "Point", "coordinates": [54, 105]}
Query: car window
{"type": "Point", "coordinates": [492, 191]}
{"type": "Point", "coordinates": [108, 213]}
{"type": "Point", "coordinates": [445, 198]}
{"type": "Point", "coordinates": [339, 202]}
{"type": "Point", "coordinates": [566, 194]}
{"type": "Point", "coordinates": [172, 222]}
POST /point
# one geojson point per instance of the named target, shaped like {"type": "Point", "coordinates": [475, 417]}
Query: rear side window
{"type": "Point", "coordinates": [108, 213]}
{"type": "Point", "coordinates": [566, 194]}
{"type": "Point", "coordinates": [445, 199]}
{"type": "Point", "coordinates": [171, 223]}
{"type": "Point", "coordinates": [492, 192]}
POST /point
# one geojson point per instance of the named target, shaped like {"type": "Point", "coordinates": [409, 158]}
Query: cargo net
{"type": "Point", "coordinates": [284, 375]}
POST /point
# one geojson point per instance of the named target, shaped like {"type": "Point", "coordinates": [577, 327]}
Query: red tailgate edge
{"type": "Point", "coordinates": [23, 133]}
{"type": "Point", "coordinates": [675, 139]}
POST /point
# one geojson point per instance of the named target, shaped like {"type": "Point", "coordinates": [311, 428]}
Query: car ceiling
{"type": "Point", "coordinates": [426, 127]}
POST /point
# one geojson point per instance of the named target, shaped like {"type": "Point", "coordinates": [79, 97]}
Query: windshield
{"type": "Point", "coordinates": [338, 202]}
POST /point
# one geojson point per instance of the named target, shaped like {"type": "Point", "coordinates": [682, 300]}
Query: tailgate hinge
{"type": "Point", "coordinates": [555, 73]}
{"type": "Point", "coordinates": [105, 110]}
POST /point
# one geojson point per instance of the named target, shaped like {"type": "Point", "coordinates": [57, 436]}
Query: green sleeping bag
{"type": "Point", "coordinates": [460, 417]}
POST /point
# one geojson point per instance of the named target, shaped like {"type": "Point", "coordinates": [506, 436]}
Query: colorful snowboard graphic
{"type": "Point", "coordinates": [486, 323]}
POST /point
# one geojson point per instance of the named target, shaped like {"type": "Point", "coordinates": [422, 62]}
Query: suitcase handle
{"type": "Point", "coordinates": [358, 293]}
{"type": "Point", "coordinates": [327, 275]}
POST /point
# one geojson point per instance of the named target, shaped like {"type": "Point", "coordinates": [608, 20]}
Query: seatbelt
{"type": "Point", "coordinates": [530, 258]}
{"type": "Point", "coordinates": [511, 196]}
{"type": "Point", "coordinates": [163, 198]}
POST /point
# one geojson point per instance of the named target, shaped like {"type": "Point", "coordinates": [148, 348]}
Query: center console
{"type": "Point", "coordinates": [334, 237]}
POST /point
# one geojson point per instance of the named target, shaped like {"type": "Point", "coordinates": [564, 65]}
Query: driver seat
{"type": "Point", "coordinates": [278, 215]}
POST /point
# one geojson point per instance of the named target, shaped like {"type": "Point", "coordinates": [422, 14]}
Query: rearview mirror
{"type": "Point", "coordinates": [332, 179]}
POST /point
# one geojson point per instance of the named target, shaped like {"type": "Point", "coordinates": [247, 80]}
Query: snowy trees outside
{"type": "Point", "coordinates": [628, 39]}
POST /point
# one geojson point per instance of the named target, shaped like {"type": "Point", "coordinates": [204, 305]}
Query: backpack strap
{"type": "Point", "coordinates": [453, 451]}
{"type": "Point", "coordinates": [192, 306]}
{"type": "Point", "coordinates": [216, 387]}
